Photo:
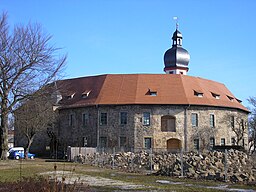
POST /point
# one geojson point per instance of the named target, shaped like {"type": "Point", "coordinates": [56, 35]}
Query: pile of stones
{"type": "Point", "coordinates": [235, 166]}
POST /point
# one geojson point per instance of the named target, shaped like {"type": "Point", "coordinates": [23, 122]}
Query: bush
{"type": "Point", "coordinates": [42, 184]}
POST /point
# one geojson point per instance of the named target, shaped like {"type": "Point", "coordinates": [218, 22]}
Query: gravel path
{"type": "Point", "coordinates": [71, 178]}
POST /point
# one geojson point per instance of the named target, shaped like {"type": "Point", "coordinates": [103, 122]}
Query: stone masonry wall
{"type": "Point", "coordinates": [135, 131]}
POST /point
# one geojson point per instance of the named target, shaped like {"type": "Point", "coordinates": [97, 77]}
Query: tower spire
{"type": "Point", "coordinates": [176, 58]}
{"type": "Point", "coordinates": [176, 19]}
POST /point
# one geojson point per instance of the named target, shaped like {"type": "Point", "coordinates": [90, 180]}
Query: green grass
{"type": "Point", "coordinates": [13, 170]}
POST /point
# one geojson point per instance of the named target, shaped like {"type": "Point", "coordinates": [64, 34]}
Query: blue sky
{"type": "Point", "coordinates": [131, 36]}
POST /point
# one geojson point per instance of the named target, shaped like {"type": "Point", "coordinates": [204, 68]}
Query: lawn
{"type": "Point", "coordinates": [101, 179]}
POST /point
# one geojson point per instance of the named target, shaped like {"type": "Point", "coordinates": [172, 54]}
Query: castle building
{"type": "Point", "coordinates": [163, 112]}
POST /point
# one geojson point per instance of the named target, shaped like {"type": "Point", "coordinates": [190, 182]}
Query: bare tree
{"type": "Point", "coordinates": [252, 125]}
{"type": "Point", "coordinates": [238, 125]}
{"type": "Point", "coordinates": [27, 63]}
{"type": "Point", "coordinates": [204, 134]}
{"type": "Point", "coordinates": [35, 116]}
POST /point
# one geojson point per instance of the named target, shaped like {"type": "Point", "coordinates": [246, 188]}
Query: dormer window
{"type": "Point", "coordinates": [198, 93]}
{"type": "Point", "coordinates": [151, 92]}
{"type": "Point", "coordinates": [71, 96]}
{"type": "Point", "coordinates": [238, 100]}
{"type": "Point", "coordinates": [85, 94]}
{"type": "Point", "coordinates": [230, 98]}
{"type": "Point", "coordinates": [215, 95]}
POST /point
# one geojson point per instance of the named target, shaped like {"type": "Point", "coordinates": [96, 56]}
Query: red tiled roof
{"type": "Point", "coordinates": [135, 89]}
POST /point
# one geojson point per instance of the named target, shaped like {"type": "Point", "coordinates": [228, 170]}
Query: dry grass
{"type": "Point", "coordinates": [21, 175]}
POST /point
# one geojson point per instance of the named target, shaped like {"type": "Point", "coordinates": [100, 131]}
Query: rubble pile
{"type": "Point", "coordinates": [235, 165]}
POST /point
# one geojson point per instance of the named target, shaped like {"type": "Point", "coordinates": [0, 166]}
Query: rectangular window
{"type": "Point", "coordinates": [212, 142]}
{"type": "Point", "coordinates": [123, 118]}
{"type": "Point", "coordinates": [122, 141]}
{"type": "Point", "coordinates": [242, 124]}
{"type": "Point", "coordinates": [71, 120]}
{"type": "Point", "coordinates": [147, 143]}
{"type": "Point", "coordinates": [194, 119]}
{"type": "Point", "coordinates": [146, 118]}
{"type": "Point", "coordinates": [233, 141]}
{"type": "Point", "coordinates": [85, 119]}
{"type": "Point", "coordinates": [85, 141]}
{"type": "Point", "coordinates": [232, 121]}
{"type": "Point", "coordinates": [222, 141]}
{"type": "Point", "coordinates": [196, 144]}
{"type": "Point", "coordinates": [212, 120]}
{"type": "Point", "coordinates": [103, 119]}
{"type": "Point", "coordinates": [103, 141]}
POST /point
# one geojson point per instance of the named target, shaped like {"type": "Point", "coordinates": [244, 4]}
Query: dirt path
{"type": "Point", "coordinates": [71, 178]}
{"type": "Point", "coordinates": [95, 181]}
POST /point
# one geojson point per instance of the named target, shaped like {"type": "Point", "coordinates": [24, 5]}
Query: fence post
{"type": "Point", "coordinates": [132, 161]}
{"type": "Point", "coordinates": [113, 158]}
{"type": "Point", "coordinates": [181, 163]}
{"type": "Point", "coordinates": [151, 159]}
{"type": "Point", "coordinates": [226, 165]}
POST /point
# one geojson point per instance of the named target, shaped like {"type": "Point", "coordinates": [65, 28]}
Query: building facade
{"type": "Point", "coordinates": [163, 112]}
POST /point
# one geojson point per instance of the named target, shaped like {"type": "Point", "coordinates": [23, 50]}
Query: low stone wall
{"type": "Point", "coordinates": [235, 165]}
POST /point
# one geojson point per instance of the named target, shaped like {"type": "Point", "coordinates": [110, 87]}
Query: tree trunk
{"type": "Point", "coordinates": [30, 141]}
{"type": "Point", "coordinates": [4, 130]}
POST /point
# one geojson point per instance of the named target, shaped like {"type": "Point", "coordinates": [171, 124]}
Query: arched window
{"type": "Point", "coordinates": [168, 123]}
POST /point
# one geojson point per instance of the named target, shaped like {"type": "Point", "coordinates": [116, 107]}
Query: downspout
{"type": "Point", "coordinates": [98, 127]}
{"type": "Point", "coordinates": [186, 128]}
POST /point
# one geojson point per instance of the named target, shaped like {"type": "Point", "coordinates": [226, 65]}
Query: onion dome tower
{"type": "Point", "coordinates": [176, 59]}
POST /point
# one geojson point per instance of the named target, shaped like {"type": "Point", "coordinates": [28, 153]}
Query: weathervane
{"type": "Point", "coordinates": [177, 24]}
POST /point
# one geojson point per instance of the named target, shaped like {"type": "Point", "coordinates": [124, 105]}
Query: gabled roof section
{"type": "Point", "coordinates": [122, 89]}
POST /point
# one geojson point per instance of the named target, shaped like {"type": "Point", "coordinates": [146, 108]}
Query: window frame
{"type": "Point", "coordinates": [212, 142]}
{"type": "Point", "coordinates": [123, 119]}
{"type": "Point", "coordinates": [85, 119]}
{"type": "Point", "coordinates": [146, 143]}
{"type": "Point", "coordinates": [233, 141]}
{"type": "Point", "coordinates": [194, 120]}
{"type": "Point", "coordinates": [103, 120]}
{"type": "Point", "coordinates": [232, 121]}
{"type": "Point", "coordinates": [221, 142]}
{"type": "Point", "coordinates": [101, 139]}
{"type": "Point", "coordinates": [212, 121]}
{"type": "Point", "coordinates": [196, 144]}
{"type": "Point", "coordinates": [146, 118]}
{"type": "Point", "coordinates": [122, 141]}
{"type": "Point", "coordinates": [71, 119]}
